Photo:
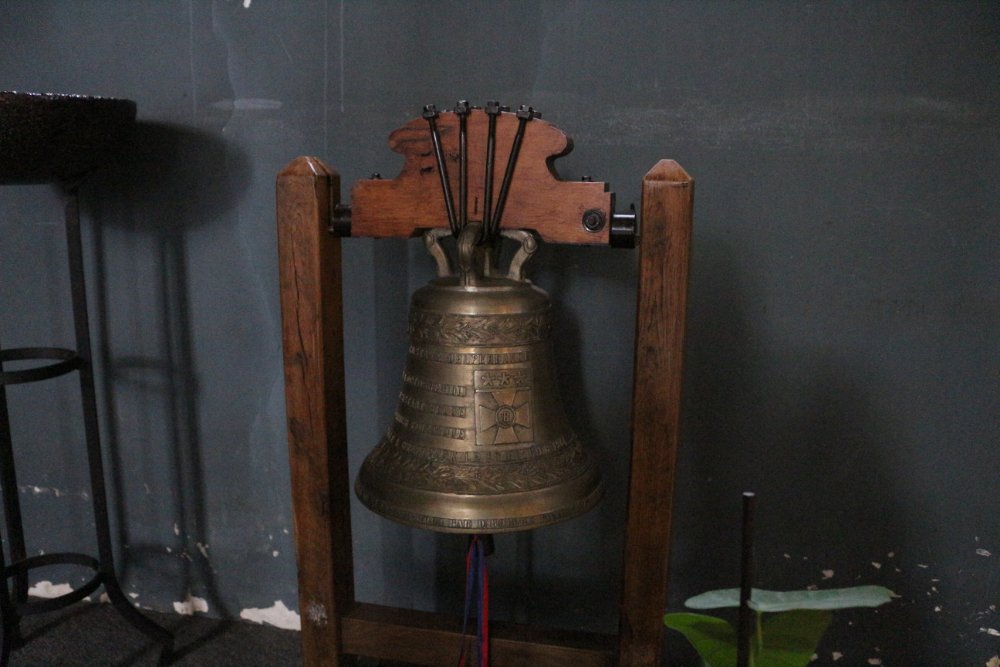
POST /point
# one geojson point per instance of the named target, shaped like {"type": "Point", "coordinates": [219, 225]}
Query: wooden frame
{"type": "Point", "coordinates": [334, 625]}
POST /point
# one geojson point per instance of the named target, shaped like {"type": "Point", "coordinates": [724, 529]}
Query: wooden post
{"type": "Point", "coordinates": [664, 253]}
{"type": "Point", "coordinates": [312, 334]}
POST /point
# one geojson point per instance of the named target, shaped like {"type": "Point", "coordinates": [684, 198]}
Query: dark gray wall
{"type": "Point", "coordinates": [842, 356]}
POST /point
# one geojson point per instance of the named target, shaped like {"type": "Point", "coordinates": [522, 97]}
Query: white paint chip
{"type": "Point", "coordinates": [277, 615]}
{"type": "Point", "coordinates": [275, 553]}
{"type": "Point", "coordinates": [190, 605]}
{"type": "Point", "coordinates": [203, 548]}
{"type": "Point", "coordinates": [983, 552]}
{"type": "Point", "coordinates": [937, 609]}
{"type": "Point", "coordinates": [876, 565]}
{"type": "Point", "coordinates": [993, 632]}
{"type": "Point", "coordinates": [874, 661]}
{"type": "Point", "coordinates": [246, 4]}
{"type": "Point", "coordinates": [177, 529]}
{"type": "Point", "coordinates": [828, 574]}
{"type": "Point", "coordinates": [46, 589]}
{"type": "Point", "coordinates": [836, 655]}
{"type": "Point", "coordinates": [316, 614]}
{"type": "Point", "coordinates": [922, 566]}
{"type": "Point", "coordinates": [994, 661]}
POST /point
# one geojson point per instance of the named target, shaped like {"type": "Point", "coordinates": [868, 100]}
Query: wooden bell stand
{"type": "Point", "coordinates": [335, 626]}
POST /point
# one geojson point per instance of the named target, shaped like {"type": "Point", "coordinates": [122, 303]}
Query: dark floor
{"type": "Point", "coordinates": [94, 635]}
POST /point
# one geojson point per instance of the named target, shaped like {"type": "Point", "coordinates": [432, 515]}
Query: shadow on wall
{"type": "Point", "coordinates": [172, 181]}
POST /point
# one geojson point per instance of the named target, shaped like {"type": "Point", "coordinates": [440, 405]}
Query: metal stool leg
{"type": "Point", "coordinates": [91, 427]}
{"type": "Point", "coordinates": [10, 622]}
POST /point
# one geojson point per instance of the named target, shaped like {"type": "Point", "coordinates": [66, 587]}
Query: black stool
{"type": "Point", "coordinates": [59, 139]}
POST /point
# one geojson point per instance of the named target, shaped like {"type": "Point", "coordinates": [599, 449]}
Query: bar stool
{"type": "Point", "coordinates": [59, 139]}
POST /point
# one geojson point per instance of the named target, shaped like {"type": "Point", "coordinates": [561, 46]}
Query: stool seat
{"type": "Point", "coordinates": [48, 137]}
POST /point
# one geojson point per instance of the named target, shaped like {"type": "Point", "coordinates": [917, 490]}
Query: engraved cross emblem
{"type": "Point", "coordinates": [503, 406]}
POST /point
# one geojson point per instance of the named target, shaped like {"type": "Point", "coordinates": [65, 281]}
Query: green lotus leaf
{"type": "Point", "coordinates": [713, 638]}
{"type": "Point", "coordinates": [772, 601]}
{"type": "Point", "coordinates": [790, 638]}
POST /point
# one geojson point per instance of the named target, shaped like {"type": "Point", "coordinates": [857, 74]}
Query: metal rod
{"type": "Point", "coordinates": [430, 113]}
{"type": "Point", "coordinates": [492, 111]}
{"type": "Point", "coordinates": [15, 534]}
{"type": "Point", "coordinates": [524, 114]}
{"type": "Point", "coordinates": [92, 430]}
{"type": "Point", "coordinates": [462, 111]}
{"type": "Point", "coordinates": [746, 624]}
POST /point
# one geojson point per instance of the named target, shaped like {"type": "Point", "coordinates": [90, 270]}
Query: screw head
{"type": "Point", "coordinates": [430, 111]}
{"type": "Point", "coordinates": [462, 107]}
{"type": "Point", "coordinates": [493, 107]}
{"type": "Point", "coordinates": [593, 220]}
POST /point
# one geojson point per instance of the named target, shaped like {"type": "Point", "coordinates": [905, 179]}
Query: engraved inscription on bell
{"type": "Point", "coordinates": [503, 406]}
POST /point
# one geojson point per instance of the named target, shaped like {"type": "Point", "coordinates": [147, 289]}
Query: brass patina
{"type": "Point", "coordinates": [479, 442]}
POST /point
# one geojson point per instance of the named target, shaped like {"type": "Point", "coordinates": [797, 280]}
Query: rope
{"type": "Point", "coordinates": [477, 585]}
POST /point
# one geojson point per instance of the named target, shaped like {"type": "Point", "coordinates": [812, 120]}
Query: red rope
{"type": "Point", "coordinates": [477, 584]}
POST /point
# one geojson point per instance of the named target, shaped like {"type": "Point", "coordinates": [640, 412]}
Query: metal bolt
{"type": "Point", "coordinates": [375, 176]}
{"type": "Point", "coordinates": [593, 220]}
{"type": "Point", "coordinates": [430, 111]}
{"type": "Point", "coordinates": [462, 107]}
{"type": "Point", "coordinates": [525, 112]}
{"type": "Point", "coordinates": [587, 179]}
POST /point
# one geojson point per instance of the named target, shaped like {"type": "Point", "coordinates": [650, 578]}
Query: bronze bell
{"type": "Point", "coordinates": [479, 442]}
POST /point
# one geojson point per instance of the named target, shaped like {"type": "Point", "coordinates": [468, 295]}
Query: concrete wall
{"type": "Point", "coordinates": [842, 356]}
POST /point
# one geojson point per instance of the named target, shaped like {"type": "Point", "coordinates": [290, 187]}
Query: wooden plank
{"type": "Point", "coordinates": [413, 201]}
{"type": "Point", "coordinates": [423, 638]}
{"type": "Point", "coordinates": [312, 335]}
{"type": "Point", "coordinates": [664, 253]}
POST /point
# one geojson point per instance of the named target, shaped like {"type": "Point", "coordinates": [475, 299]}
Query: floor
{"type": "Point", "coordinates": [94, 635]}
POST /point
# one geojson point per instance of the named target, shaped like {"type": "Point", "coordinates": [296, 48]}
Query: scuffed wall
{"type": "Point", "coordinates": [842, 345]}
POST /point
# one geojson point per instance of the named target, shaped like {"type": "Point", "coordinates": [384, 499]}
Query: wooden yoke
{"type": "Point", "coordinates": [413, 201]}
{"type": "Point", "coordinates": [335, 626]}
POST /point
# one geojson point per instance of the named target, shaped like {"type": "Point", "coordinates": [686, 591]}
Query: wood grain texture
{"type": "Point", "coordinates": [422, 638]}
{"type": "Point", "coordinates": [312, 335]}
{"type": "Point", "coordinates": [413, 201]}
{"type": "Point", "coordinates": [664, 254]}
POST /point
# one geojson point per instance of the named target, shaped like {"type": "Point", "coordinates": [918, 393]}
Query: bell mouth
{"type": "Point", "coordinates": [479, 513]}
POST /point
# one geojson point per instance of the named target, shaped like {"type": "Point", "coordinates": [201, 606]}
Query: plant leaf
{"type": "Point", "coordinates": [713, 638]}
{"type": "Point", "coordinates": [791, 637]}
{"type": "Point", "coordinates": [770, 601]}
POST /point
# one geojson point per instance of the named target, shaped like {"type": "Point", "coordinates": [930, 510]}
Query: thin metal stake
{"type": "Point", "coordinates": [492, 111]}
{"type": "Point", "coordinates": [746, 624]}
{"type": "Point", "coordinates": [524, 114]}
{"type": "Point", "coordinates": [430, 113]}
{"type": "Point", "coordinates": [462, 111]}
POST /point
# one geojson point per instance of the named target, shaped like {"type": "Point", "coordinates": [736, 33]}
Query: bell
{"type": "Point", "coordinates": [479, 442]}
